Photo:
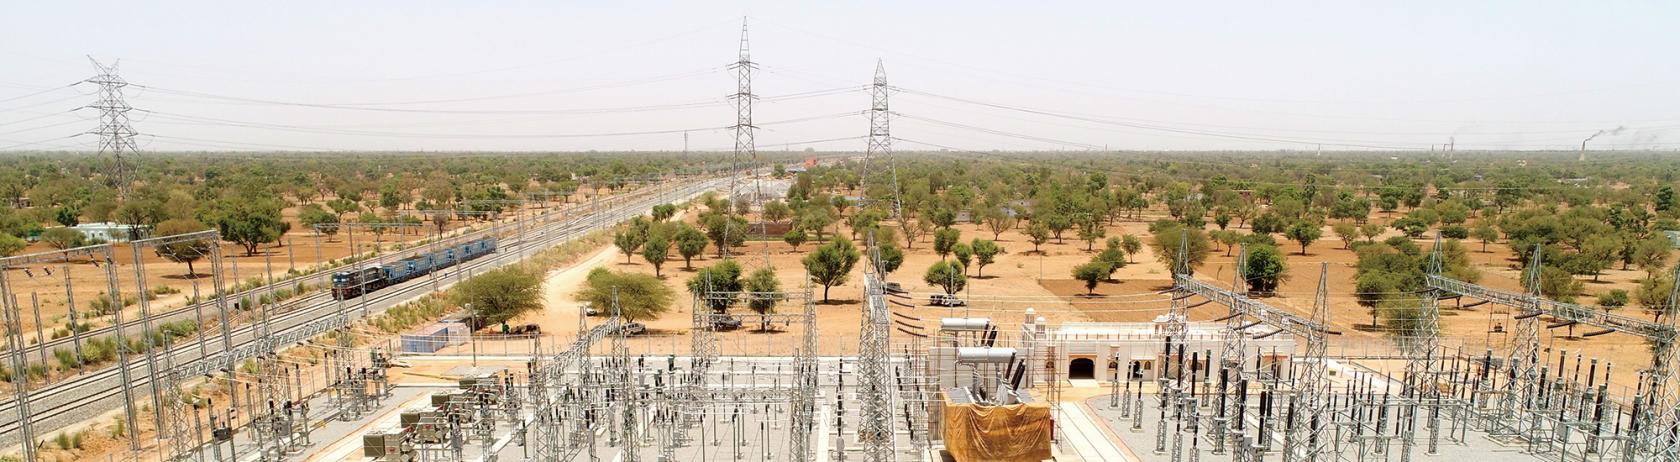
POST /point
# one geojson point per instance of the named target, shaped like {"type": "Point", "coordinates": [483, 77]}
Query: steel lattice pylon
{"type": "Point", "coordinates": [1234, 345]}
{"type": "Point", "coordinates": [1659, 432]}
{"type": "Point", "coordinates": [880, 141]}
{"type": "Point", "coordinates": [1422, 345]}
{"type": "Point", "coordinates": [1524, 359]}
{"type": "Point", "coordinates": [875, 433]}
{"type": "Point", "coordinates": [116, 136]}
{"type": "Point", "coordinates": [804, 415]}
{"type": "Point", "coordinates": [1313, 386]}
{"type": "Point", "coordinates": [746, 148]}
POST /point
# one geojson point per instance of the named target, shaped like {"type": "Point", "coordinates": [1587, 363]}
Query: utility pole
{"type": "Point", "coordinates": [115, 134]}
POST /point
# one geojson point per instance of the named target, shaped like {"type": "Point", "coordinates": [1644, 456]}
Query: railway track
{"type": "Point", "coordinates": [85, 396]}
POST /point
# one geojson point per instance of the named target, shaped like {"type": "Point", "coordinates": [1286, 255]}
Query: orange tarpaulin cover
{"type": "Point", "coordinates": [1016, 432]}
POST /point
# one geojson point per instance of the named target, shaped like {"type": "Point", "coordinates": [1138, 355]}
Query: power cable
{"type": "Point", "coordinates": [1246, 137]}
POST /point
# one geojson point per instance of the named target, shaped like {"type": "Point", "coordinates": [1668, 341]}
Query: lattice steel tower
{"type": "Point", "coordinates": [880, 139]}
{"type": "Point", "coordinates": [745, 146]}
{"type": "Point", "coordinates": [116, 136]}
{"type": "Point", "coordinates": [1314, 385]}
{"type": "Point", "coordinates": [1524, 360]}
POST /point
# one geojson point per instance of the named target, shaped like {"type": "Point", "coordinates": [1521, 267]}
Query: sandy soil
{"type": "Point", "coordinates": [1021, 278]}
{"type": "Point", "coordinates": [299, 251]}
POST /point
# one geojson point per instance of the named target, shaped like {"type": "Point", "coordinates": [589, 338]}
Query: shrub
{"type": "Point", "coordinates": [1455, 232]}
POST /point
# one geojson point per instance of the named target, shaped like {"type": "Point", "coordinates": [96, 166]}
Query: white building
{"type": "Point", "coordinates": [110, 232]}
{"type": "Point", "coordinates": [1105, 350]}
{"type": "Point", "coordinates": [1098, 351]}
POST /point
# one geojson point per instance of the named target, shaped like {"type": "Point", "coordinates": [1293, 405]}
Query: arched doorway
{"type": "Point", "coordinates": [1082, 368]}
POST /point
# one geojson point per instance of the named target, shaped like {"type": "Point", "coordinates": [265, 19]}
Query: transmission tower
{"type": "Point", "coordinates": [804, 415]}
{"type": "Point", "coordinates": [1315, 386]}
{"type": "Point", "coordinates": [875, 389]}
{"type": "Point", "coordinates": [1424, 343]}
{"type": "Point", "coordinates": [116, 136]}
{"type": "Point", "coordinates": [1667, 445]}
{"type": "Point", "coordinates": [1232, 349]}
{"type": "Point", "coordinates": [745, 147]}
{"type": "Point", "coordinates": [880, 139]}
{"type": "Point", "coordinates": [1524, 360]}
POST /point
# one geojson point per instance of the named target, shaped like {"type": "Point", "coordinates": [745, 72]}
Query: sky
{"type": "Point", "coordinates": [970, 75]}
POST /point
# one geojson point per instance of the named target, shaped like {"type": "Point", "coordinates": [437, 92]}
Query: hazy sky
{"type": "Point", "coordinates": [425, 75]}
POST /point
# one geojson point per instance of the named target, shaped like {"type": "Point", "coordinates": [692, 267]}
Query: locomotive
{"type": "Point", "coordinates": [351, 284]}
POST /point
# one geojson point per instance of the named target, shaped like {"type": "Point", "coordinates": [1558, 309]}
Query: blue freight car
{"type": "Point", "coordinates": [351, 284]}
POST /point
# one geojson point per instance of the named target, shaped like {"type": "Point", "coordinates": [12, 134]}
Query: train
{"type": "Point", "coordinates": [351, 284]}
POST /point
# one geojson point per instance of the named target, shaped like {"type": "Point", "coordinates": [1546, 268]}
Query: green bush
{"type": "Point", "coordinates": [66, 359]}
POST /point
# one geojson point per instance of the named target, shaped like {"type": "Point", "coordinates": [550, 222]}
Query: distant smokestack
{"type": "Point", "coordinates": [1612, 132]}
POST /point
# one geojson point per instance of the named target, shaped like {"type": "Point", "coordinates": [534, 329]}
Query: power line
{"type": "Point", "coordinates": [1000, 132]}
{"type": "Point", "coordinates": [42, 92]}
{"type": "Point", "coordinates": [1142, 126]}
{"type": "Point", "coordinates": [196, 120]}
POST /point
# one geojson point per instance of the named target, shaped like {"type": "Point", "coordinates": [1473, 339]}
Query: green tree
{"type": "Point", "coordinates": [1269, 223]}
{"type": "Point", "coordinates": [1653, 294]}
{"type": "Point", "coordinates": [1371, 230]}
{"type": "Point", "coordinates": [817, 219]}
{"type": "Point", "coordinates": [776, 211]}
{"type": "Point", "coordinates": [499, 295]}
{"type": "Point", "coordinates": [1304, 233]}
{"type": "Point", "coordinates": [1090, 231]}
{"type": "Point", "coordinates": [1265, 268]}
{"type": "Point", "coordinates": [725, 231]}
{"type": "Point", "coordinates": [1556, 283]}
{"type": "Point", "coordinates": [1411, 226]}
{"type": "Point", "coordinates": [637, 296]}
{"type": "Point", "coordinates": [1484, 232]}
{"type": "Point", "coordinates": [249, 221]}
{"type": "Point", "coordinates": [183, 251]}
{"type": "Point", "coordinates": [1651, 254]}
{"type": "Point", "coordinates": [764, 291]}
{"type": "Point", "coordinates": [945, 241]}
{"type": "Point", "coordinates": [949, 276]}
{"type": "Point", "coordinates": [1039, 234]}
{"type": "Point", "coordinates": [1092, 273]}
{"type": "Point", "coordinates": [985, 253]}
{"type": "Point", "coordinates": [654, 251]}
{"type": "Point", "coordinates": [11, 245]}
{"type": "Point", "coordinates": [690, 243]}
{"type": "Point", "coordinates": [1113, 255]}
{"type": "Point", "coordinates": [628, 241]}
{"type": "Point", "coordinates": [1347, 232]}
{"type": "Point", "coordinates": [998, 220]}
{"type": "Point", "coordinates": [943, 217]}
{"type": "Point", "coordinates": [1167, 241]}
{"type": "Point", "coordinates": [319, 220]}
{"type": "Point", "coordinates": [795, 237]}
{"type": "Point", "coordinates": [718, 286]}
{"type": "Point", "coordinates": [68, 216]}
{"type": "Point", "coordinates": [913, 229]}
{"type": "Point", "coordinates": [1058, 224]}
{"type": "Point", "coordinates": [664, 212]}
{"type": "Point", "coordinates": [1132, 245]}
{"type": "Point", "coordinates": [64, 238]}
{"type": "Point", "coordinates": [962, 253]}
{"type": "Point", "coordinates": [1613, 299]}
{"type": "Point", "coordinates": [830, 264]}
{"type": "Point", "coordinates": [887, 258]}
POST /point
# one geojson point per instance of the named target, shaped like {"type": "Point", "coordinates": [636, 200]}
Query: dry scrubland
{"type": "Point", "coordinates": [1022, 278]}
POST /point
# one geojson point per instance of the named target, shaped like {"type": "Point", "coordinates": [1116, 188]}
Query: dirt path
{"type": "Point", "coordinates": [560, 310]}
